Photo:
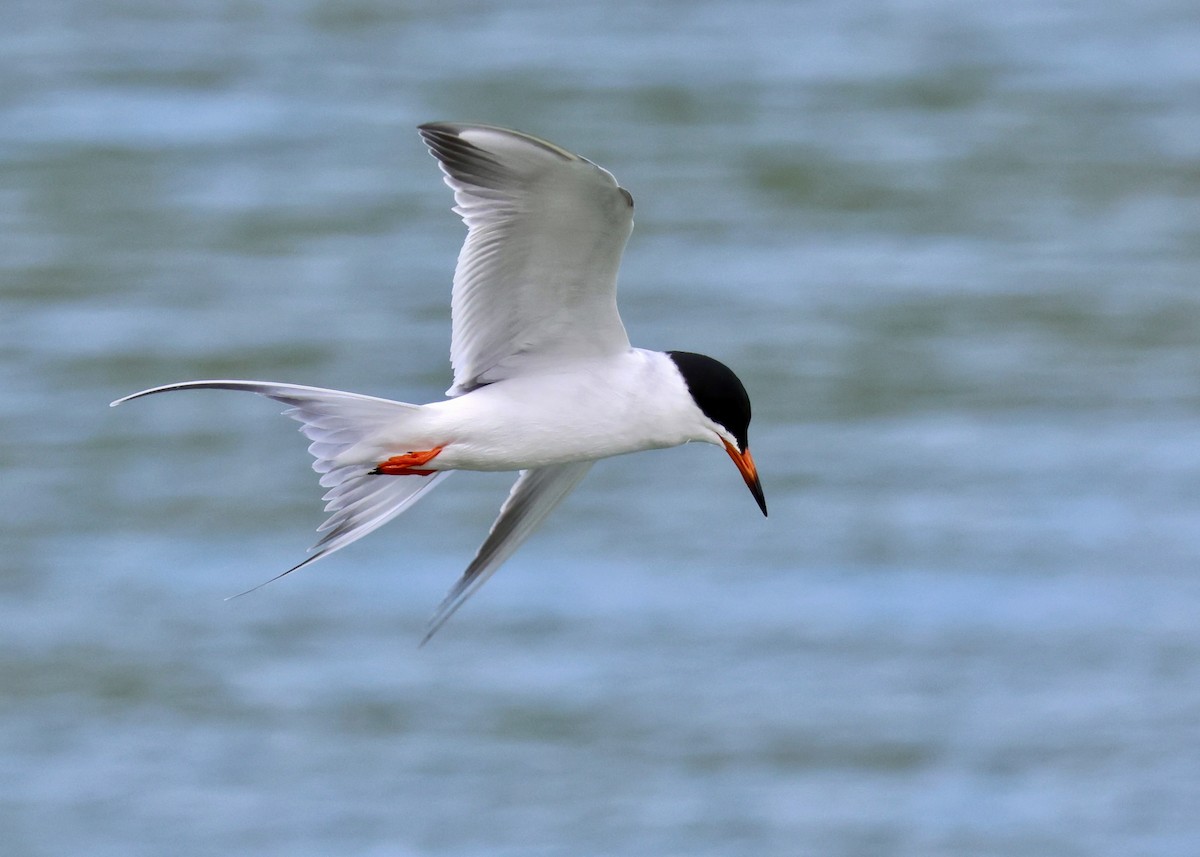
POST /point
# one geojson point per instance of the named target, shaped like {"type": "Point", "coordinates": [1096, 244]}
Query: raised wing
{"type": "Point", "coordinates": [533, 497]}
{"type": "Point", "coordinates": [334, 421]}
{"type": "Point", "coordinates": [536, 281]}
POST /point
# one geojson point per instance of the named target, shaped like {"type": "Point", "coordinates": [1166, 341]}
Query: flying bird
{"type": "Point", "coordinates": [545, 379]}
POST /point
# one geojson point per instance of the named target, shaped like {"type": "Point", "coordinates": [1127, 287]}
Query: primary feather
{"type": "Point", "coordinates": [536, 280]}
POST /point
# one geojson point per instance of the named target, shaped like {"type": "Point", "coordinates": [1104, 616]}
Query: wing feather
{"type": "Point", "coordinates": [536, 281]}
{"type": "Point", "coordinates": [533, 496]}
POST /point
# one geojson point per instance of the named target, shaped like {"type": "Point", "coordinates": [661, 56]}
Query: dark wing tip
{"type": "Point", "coordinates": [441, 131]}
{"type": "Point", "coordinates": [461, 159]}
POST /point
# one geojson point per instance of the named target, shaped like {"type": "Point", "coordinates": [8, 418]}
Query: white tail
{"type": "Point", "coordinates": [360, 502]}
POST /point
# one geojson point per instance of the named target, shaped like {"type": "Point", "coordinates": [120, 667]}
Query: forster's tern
{"type": "Point", "coordinates": [545, 380]}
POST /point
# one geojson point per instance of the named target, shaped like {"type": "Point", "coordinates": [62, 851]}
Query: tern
{"type": "Point", "coordinates": [545, 379]}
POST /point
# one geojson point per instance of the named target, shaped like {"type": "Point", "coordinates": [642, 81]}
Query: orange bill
{"type": "Point", "coordinates": [745, 466]}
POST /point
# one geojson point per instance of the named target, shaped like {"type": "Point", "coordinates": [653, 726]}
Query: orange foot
{"type": "Point", "coordinates": [408, 464]}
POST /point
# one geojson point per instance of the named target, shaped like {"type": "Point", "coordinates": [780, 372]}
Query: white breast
{"type": "Point", "coordinates": [581, 411]}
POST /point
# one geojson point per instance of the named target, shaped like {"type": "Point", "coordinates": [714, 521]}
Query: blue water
{"type": "Point", "coordinates": [952, 248]}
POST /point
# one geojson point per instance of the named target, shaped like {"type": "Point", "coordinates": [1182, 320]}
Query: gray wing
{"type": "Point", "coordinates": [532, 498]}
{"type": "Point", "coordinates": [536, 280]}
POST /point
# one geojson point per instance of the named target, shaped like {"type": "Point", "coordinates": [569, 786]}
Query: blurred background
{"type": "Point", "coordinates": [951, 247]}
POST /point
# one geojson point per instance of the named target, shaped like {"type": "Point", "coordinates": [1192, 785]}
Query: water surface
{"type": "Point", "coordinates": [951, 248]}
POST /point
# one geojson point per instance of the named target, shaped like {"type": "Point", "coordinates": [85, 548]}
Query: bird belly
{"type": "Point", "coordinates": [518, 424]}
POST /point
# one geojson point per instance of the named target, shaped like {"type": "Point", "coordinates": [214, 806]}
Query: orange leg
{"type": "Point", "coordinates": [408, 464]}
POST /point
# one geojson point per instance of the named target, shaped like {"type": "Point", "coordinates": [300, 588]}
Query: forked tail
{"type": "Point", "coordinates": [360, 501]}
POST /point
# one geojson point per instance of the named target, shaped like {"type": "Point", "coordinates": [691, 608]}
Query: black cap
{"type": "Point", "coordinates": [717, 392]}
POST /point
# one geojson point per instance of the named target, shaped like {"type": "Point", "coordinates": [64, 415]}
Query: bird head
{"type": "Point", "coordinates": [723, 400]}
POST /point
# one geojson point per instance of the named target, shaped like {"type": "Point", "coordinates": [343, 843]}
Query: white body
{"type": "Point", "coordinates": [629, 402]}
